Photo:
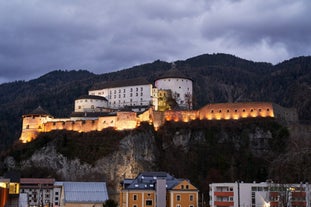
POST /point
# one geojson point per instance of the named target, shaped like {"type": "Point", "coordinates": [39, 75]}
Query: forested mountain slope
{"type": "Point", "coordinates": [217, 78]}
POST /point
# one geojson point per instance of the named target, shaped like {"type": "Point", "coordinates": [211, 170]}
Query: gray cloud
{"type": "Point", "coordinates": [101, 36]}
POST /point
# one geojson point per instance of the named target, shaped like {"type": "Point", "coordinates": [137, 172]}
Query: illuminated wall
{"type": "Point", "coordinates": [34, 124]}
{"type": "Point", "coordinates": [235, 111]}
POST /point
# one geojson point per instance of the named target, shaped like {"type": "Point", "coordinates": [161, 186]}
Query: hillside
{"type": "Point", "coordinates": [215, 151]}
{"type": "Point", "coordinates": [217, 78]}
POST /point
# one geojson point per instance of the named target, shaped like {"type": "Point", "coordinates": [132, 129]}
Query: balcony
{"type": "Point", "coordinates": [223, 203]}
{"type": "Point", "coordinates": [223, 194]}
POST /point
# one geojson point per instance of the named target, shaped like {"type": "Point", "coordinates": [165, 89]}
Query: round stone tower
{"type": "Point", "coordinates": [33, 124]}
{"type": "Point", "coordinates": [179, 85]}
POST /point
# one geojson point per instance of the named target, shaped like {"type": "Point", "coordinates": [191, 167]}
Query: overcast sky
{"type": "Point", "coordinates": [39, 36]}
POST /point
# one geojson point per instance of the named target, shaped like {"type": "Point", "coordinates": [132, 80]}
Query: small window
{"type": "Point", "coordinates": [135, 197]}
{"type": "Point", "coordinates": [243, 110]}
{"type": "Point", "coordinates": [148, 202]}
{"type": "Point", "coordinates": [219, 111]}
{"type": "Point", "coordinates": [228, 110]}
{"type": "Point", "coordinates": [178, 197]}
{"type": "Point", "coordinates": [235, 110]}
{"type": "Point", "coordinates": [212, 111]}
{"type": "Point", "coordinates": [268, 110]}
{"type": "Point", "coordinates": [191, 197]}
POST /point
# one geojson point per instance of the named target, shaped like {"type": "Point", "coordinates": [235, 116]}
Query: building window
{"type": "Point", "coordinates": [187, 186]}
{"type": "Point", "coordinates": [178, 205]}
{"type": "Point", "coordinates": [178, 197]}
{"type": "Point", "coordinates": [148, 202]}
{"type": "Point", "coordinates": [191, 197]}
{"type": "Point", "coordinates": [141, 88]}
{"type": "Point", "coordinates": [135, 197]}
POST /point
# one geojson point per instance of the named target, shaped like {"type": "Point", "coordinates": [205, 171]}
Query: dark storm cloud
{"type": "Point", "coordinates": [101, 36]}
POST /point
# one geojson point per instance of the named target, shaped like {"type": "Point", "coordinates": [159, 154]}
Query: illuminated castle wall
{"type": "Point", "coordinates": [40, 121]}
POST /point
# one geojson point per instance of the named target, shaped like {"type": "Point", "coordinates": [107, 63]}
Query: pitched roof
{"type": "Point", "coordinates": [92, 97]}
{"type": "Point", "coordinates": [40, 111]}
{"type": "Point", "coordinates": [121, 83]}
{"type": "Point", "coordinates": [147, 180]}
{"type": "Point", "coordinates": [173, 73]}
{"type": "Point", "coordinates": [85, 192]}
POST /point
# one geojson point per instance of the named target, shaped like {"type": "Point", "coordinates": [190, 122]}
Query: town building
{"type": "Point", "coordinates": [36, 192]}
{"type": "Point", "coordinates": [265, 194]}
{"type": "Point", "coordinates": [151, 189]}
{"type": "Point", "coordinates": [45, 192]}
{"type": "Point", "coordinates": [80, 194]}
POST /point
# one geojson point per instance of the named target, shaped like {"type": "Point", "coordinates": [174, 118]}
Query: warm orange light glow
{"type": "Point", "coordinates": [34, 124]}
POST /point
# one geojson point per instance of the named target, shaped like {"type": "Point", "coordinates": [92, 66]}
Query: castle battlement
{"type": "Point", "coordinates": [34, 123]}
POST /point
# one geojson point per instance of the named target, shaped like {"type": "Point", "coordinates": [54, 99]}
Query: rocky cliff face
{"type": "Point", "coordinates": [203, 152]}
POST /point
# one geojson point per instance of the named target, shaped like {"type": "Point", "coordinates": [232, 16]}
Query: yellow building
{"type": "Point", "coordinates": [158, 189]}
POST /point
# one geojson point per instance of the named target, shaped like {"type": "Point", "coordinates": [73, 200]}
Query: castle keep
{"type": "Point", "coordinates": [124, 106]}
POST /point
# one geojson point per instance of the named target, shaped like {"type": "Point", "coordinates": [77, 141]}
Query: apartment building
{"type": "Point", "coordinates": [265, 194]}
{"type": "Point", "coordinates": [158, 189]}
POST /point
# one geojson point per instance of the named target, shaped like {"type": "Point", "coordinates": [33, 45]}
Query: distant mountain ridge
{"type": "Point", "coordinates": [217, 78]}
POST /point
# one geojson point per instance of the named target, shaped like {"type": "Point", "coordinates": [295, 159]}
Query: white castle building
{"type": "Point", "coordinates": [138, 94]}
{"type": "Point", "coordinates": [134, 93]}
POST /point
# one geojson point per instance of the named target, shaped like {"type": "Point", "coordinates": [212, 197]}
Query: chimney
{"type": "Point", "coordinates": [161, 192]}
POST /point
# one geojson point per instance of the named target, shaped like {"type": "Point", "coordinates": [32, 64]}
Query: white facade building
{"type": "Point", "coordinates": [265, 194]}
{"type": "Point", "coordinates": [135, 94]}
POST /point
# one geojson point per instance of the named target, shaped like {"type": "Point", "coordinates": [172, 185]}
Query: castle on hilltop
{"type": "Point", "coordinates": [126, 104]}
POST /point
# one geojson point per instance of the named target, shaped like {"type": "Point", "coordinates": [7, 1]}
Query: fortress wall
{"type": "Point", "coordinates": [183, 116]}
{"type": "Point", "coordinates": [69, 125]}
{"type": "Point", "coordinates": [235, 110]}
{"type": "Point", "coordinates": [285, 114]}
{"type": "Point", "coordinates": [89, 125]}
{"type": "Point", "coordinates": [147, 116]}
{"type": "Point", "coordinates": [126, 120]}
{"type": "Point", "coordinates": [105, 122]}
{"type": "Point", "coordinates": [158, 119]}
{"type": "Point", "coordinates": [34, 124]}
